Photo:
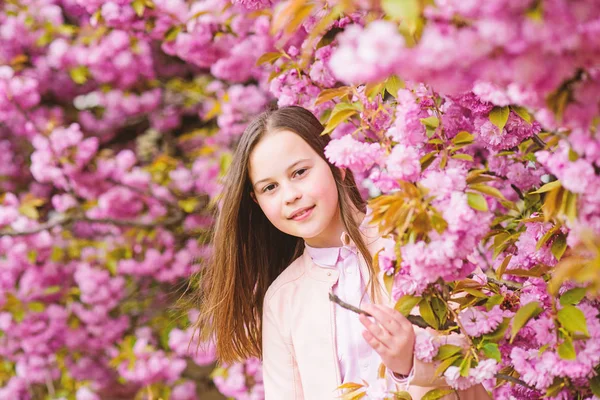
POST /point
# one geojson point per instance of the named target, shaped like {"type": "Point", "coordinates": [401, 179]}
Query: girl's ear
{"type": "Point", "coordinates": [253, 197]}
{"type": "Point", "coordinates": [343, 173]}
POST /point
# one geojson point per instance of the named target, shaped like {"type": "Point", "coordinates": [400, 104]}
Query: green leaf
{"type": "Point", "coordinates": [540, 243]}
{"type": "Point", "coordinates": [36, 306]}
{"type": "Point", "coordinates": [573, 320]}
{"type": "Point", "coordinates": [477, 201]}
{"type": "Point", "coordinates": [524, 314]}
{"type": "Point", "coordinates": [463, 137]}
{"type": "Point", "coordinates": [465, 365]}
{"type": "Point", "coordinates": [566, 350]}
{"type": "Point", "coordinates": [499, 116]}
{"type": "Point", "coordinates": [491, 351]}
{"type": "Point", "coordinates": [79, 74]}
{"type": "Point", "coordinates": [139, 6]}
{"type": "Point", "coordinates": [445, 364]}
{"type": "Point", "coordinates": [522, 112]}
{"type": "Point", "coordinates": [495, 300]}
{"type": "Point", "coordinates": [269, 57]}
{"type": "Point", "coordinates": [548, 187]}
{"type": "Point", "coordinates": [401, 10]}
{"type": "Point", "coordinates": [462, 156]}
{"type": "Point", "coordinates": [440, 309]}
{"type": "Point", "coordinates": [330, 94]}
{"type": "Point", "coordinates": [431, 122]}
{"type": "Point", "coordinates": [403, 395]}
{"type": "Point", "coordinates": [172, 32]}
{"type": "Point", "coordinates": [406, 303]}
{"type": "Point", "coordinates": [446, 351]}
{"type": "Point", "coordinates": [595, 385]}
{"type": "Point", "coordinates": [388, 280]}
{"type": "Point", "coordinates": [393, 84]}
{"type": "Point", "coordinates": [52, 290]}
{"type": "Point", "coordinates": [572, 296]}
{"type": "Point", "coordinates": [489, 190]}
{"type": "Point", "coordinates": [554, 389]}
{"type": "Point", "coordinates": [428, 315]}
{"type": "Point", "coordinates": [427, 159]}
{"type": "Point", "coordinates": [341, 112]}
{"type": "Point", "coordinates": [436, 394]}
{"type": "Point", "coordinates": [559, 246]}
{"type": "Point", "coordinates": [188, 205]}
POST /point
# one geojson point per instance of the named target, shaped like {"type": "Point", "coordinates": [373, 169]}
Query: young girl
{"type": "Point", "coordinates": [292, 229]}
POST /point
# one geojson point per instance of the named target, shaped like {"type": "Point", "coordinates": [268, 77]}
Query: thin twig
{"type": "Point", "coordinates": [513, 380]}
{"type": "Point", "coordinates": [516, 189]}
{"type": "Point", "coordinates": [347, 306]}
{"type": "Point", "coordinates": [538, 140]}
{"type": "Point", "coordinates": [414, 319]}
{"type": "Point", "coordinates": [490, 275]}
{"type": "Point", "coordinates": [420, 322]}
{"type": "Point", "coordinates": [511, 285]}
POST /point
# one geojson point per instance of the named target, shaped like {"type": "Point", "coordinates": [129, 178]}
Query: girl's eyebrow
{"type": "Point", "coordinates": [288, 168]}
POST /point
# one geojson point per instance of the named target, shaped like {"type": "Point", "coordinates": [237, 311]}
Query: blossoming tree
{"type": "Point", "coordinates": [472, 128]}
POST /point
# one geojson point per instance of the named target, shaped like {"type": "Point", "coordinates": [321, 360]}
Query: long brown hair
{"type": "Point", "coordinates": [249, 252]}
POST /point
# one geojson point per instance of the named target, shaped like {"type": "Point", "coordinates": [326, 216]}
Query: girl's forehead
{"type": "Point", "coordinates": [276, 151]}
{"type": "Point", "coordinates": [280, 146]}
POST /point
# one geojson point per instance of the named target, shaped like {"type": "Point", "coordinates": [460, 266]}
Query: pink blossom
{"type": "Point", "coordinates": [349, 152]}
{"type": "Point", "coordinates": [366, 54]}
{"type": "Point", "coordinates": [426, 345]}
{"type": "Point", "coordinates": [404, 163]}
{"type": "Point", "coordinates": [478, 322]}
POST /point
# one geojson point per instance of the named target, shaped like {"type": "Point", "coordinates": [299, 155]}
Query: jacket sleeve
{"type": "Point", "coordinates": [280, 370]}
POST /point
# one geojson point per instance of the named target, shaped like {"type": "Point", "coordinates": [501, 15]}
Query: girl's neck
{"type": "Point", "coordinates": [332, 234]}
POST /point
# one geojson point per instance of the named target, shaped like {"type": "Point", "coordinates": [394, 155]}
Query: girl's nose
{"type": "Point", "coordinates": [292, 194]}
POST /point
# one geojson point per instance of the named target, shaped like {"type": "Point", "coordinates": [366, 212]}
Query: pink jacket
{"type": "Point", "coordinates": [299, 352]}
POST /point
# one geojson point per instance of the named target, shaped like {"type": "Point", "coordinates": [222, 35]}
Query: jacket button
{"type": "Point", "coordinates": [329, 274]}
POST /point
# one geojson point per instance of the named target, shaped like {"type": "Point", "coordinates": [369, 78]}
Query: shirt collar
{"type": "Point", "coordinates": [328, 256]}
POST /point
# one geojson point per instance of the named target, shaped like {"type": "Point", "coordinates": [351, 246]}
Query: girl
{"type": "Point", "coordinates": [292, 229]}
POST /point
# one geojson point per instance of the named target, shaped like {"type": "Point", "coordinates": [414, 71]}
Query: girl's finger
{"type": "Point", "coordinates": [384, 319]}
{"type": "Point", "coordinates": [400, 319]}
{"type": "Point", "coordinates": [378, 346]}
{"type": "Point", "coordinates": [375, 330]}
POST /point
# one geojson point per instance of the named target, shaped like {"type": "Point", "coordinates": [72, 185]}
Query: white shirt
{"type": "Point", "coordinates": [358, 361]}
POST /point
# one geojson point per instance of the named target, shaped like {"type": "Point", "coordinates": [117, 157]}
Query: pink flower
{"type": "Point", "coordinates": [455, 380]}
{"type": "Point", "coordinates": [349, 152]}
{"type": "Point", "coordinates": [367, 54]}
{"type": "Point", "coordinates": [404, 163]}
{"type": "Point", "coordinates": [486, 369]}
{"type": "Point", "coordinates": [477, 323]}
{"type": "Point", "coordinates": [63, 202]}
{"type": "Point", "coordinates": [426, 345]}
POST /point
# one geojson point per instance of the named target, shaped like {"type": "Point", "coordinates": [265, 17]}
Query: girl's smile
{"type": "Point", "coordinates": [302, 213]}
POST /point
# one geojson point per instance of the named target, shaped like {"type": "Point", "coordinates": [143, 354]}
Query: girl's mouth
{"type": "Point", "coordinates": [302, 215]}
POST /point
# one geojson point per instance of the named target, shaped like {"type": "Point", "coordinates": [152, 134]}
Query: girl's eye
{"type": "Point", "coordinates": [268, 188]}
{"type": "Point", "coordinates": [301, 171]}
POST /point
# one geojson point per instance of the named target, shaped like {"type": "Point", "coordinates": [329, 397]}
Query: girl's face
{"type": "Point", "coordinates": [295, 189]}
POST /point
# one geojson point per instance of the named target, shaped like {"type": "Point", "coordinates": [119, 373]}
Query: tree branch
{"type": "Point", "coordinates": [538, 140]}
{"type": "Point", "coordinates": [490, 275]}
{"type": "Point", "coordinates": [514, 380]}
{"type": "Point", "coordinates": [414, 319]}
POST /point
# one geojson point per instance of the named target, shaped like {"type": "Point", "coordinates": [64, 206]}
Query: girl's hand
{"type": "Point", "coordinates": [392, 337]}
